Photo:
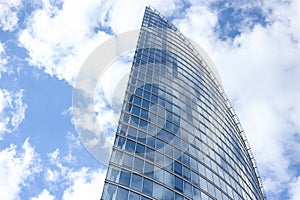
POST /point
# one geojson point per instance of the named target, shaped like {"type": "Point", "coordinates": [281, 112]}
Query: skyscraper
{"type": "Point", "coordinates": [178, 136]}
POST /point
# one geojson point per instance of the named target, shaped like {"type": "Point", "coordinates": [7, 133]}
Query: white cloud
{"type": "Point", "coordinates": [58, 41]}
{"type": "Point", "coordinates": [44, 195]}
{"type": "Point", "coordinates": [8, 14]}
{"type": "Point", "coordinates": [294, 190]}
{"type": "Point", "coordinates": [16, 167]}
{"type": "Point", "coordinates": [3, 59]}
{"type": "Point", "coordinates": [85, 184]}
{"type": "Point", "coordinates": [81, 183]}
{"type": "Point", "coordinates": [12, 110]}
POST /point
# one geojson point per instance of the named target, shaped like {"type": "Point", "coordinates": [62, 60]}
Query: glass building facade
{"type": "Point", "coordinates": [177, 137]}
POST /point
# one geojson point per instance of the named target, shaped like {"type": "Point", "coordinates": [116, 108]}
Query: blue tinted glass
{"type": "Point", "coordinates": [145, 104]}
{"type": "Point", "coordinates": [108, 191]}
{"type": "Point", "coordinates": [169, 136]}
{"type": "Point", "coordinates": [186, 173]}
{"type": "Point", "coordinates": [150, 154]}
{"type": "Point", "coordinates": [125, 177]}
{"type": "Point", "coordinates": [143, 123]}
{"type": "Point", "coordinates": [186, 159]}
{"type": "Point", "coordinates": [157, 191]}
{"type": "Point", "coordinates": [122, 193]}
{"type": "Point", "coordinates": [130, 145]}
{"type": "Point", "coordinates": [168, 194]}
{"type": "Point", "coordinates": [121, 142]}
{"type": "Point", "coordinates": [144, 198]}
{"type": "Point", "coordinates": [151, 141]}
{"type": "Point", "coordinates": [147, 187]}
{"type": "Point", "coordinates": [144, 114]}
{"type": "Point", "coordinates": [177, 168]}
{"type": "Point", "coordinates": [195, 178]}
{"type": "Point", "coordinates": [197, 195]}
{"type": "Point", "coordinates": [168, 179]}
{"type": "Point", "coordinates": [169, 125]}
{"type": "Point", "coordinates": [135, 110]}
{"type": "Point", "coordinates": [136, 182]}
{"type": "Point", "coordinates": [154, 98]}
{"type": "Point", "coordinates": [139, 91]}
{"type": "Point", "coordinates": [159, 144]}
{"type": "Point", "coordinates": [138, 165]}
{"type": "Point", "coordinates": [135, 120]}
{"type": "Point", "coordinates": [141, 137]}
{"type": "Point", "coordinates": [146, 95]}
{"type": "Point", "coordinates": [147, 87]}
{"type": "Point", "coordinates": [137, 100]}
{"type": "Point", "coordinates": [178, 184]}
{"type": "Point", "coordinates": [149, 169]}
{"type": "Point", "coordinates": [127, 161]}
{"type": "Point", "coordinates": [187, 189]}
{"type": "Point", "coordinates": [140, 149]}
{"type": "Point", "coordinates": [179, 197]}
{"type": "Point", "coordinates": [134, 196]}
{"type": "Point", "coordinates": [132, 132]}
{"type": "Point", "coordinates": [113, 174]}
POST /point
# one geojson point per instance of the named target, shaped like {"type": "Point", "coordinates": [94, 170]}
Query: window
{"type": "Point", "coordinates": [186, 173]}
{"type": "Point", "coordinates": [109, 191]}
{"type": "Point", "coordinates": [125, 177]}
{"type": "Point", "coordinates": [120, 142]}
{"type": "Point", "coordinates": [134, 196]}
{"type": "Point", "coordinates": [127, 161]}
{"type": "Point", "coordinates": [187, 189]}
{"type": "Point", "coordinates": [130, 145]}
{"type": "Point", "coordinates": [168, 179]}
{"type": "Point", "coordinates": [195, 178]}
{"type": "Point", "coordinates": [113, 174]}
{"type": "Point", "coordinates": [122, 193]}
{"type": "Point", "coordinates": [138, 165]}
{"type": "Point", "coordinates": [177, 168]}
{"type": "Point", "coordinates": [178, 184]}
{"type": "Point", "coordinates": [157, 191]}
{"type": "Point", "coordinates": [147, 187]}
{"type": "Point", "coordinates": [169, 194]}
{"type": "Point", "coordinates": [136, 182]}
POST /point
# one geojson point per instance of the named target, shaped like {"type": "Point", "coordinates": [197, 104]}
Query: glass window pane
{"type": "Point", "coordinates": [157, 191]}
{"type": "Point", "coordinates": [147, 187]}
{"type": "Point", "coordinates": [122, 193]}
{"type": "Point", "coordinates": [178, 184]}
{"type": "Point", "coordinates": [186, 173]}
{"type": "Point", "coordinates": [168, 179]}
{"type": "Point", "coordinates": [187, 189]}
{"type": "Point", "coordinates": [130, 145]}
{"type": "Point", "coordinates": [127, 160]}
{"type": "Point", "coordinates": [136, 182]}
{"type": "Point", "coordinates": [178, 168]}
{"type": "Point", "coordinates": [109, 192]}
{"type": "Point", "coordinates": [168, 194]}
{"type": "Point", "coordinates": [125, 177]}
{"type": "Point", "coordinates": [113, 174]}
{"type": "Point", "coordinates": [134, 196]}
{"type": "Point", "coordinates": [138, 165]}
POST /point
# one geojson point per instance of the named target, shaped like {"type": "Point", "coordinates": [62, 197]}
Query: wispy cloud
{"type": "Point", "coordinates": [12, 110]}
{"type": "Point", "coordinates": [16, 166]}
{"type": "Point", "coordinates": [8, 14]}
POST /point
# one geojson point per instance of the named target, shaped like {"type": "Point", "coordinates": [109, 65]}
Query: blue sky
{"type": "Point", "coordinates": [43, 43]}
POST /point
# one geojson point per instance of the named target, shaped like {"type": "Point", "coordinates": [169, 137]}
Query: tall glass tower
{"type": "Point", "coordinates": [178, 136]}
